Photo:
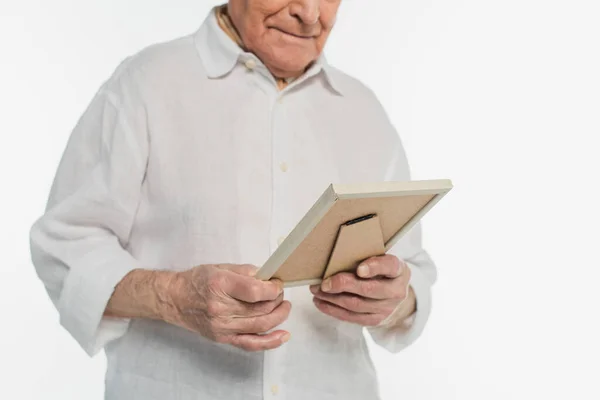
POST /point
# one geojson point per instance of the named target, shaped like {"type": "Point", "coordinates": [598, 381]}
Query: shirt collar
{"type": "Point", "coordinates": [219, 54]}
{"type": "Point", "coordinates": [329, 74]}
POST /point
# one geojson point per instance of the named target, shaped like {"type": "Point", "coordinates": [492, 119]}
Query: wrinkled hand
{"type": "Point", "coordinates": [225, 303]}
{"type": "Point", "coordinates": [368, 296]}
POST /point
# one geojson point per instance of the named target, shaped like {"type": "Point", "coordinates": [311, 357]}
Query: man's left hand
{"type": "Point", "coordinates": [369, 296]}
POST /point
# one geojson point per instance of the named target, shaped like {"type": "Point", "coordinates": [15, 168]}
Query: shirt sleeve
{"type": "Point", "coordinates": [423, 269]}
{"type": "Point", "coordinates": [78, 246]}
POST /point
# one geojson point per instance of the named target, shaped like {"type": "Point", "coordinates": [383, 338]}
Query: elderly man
{"type": "Point", "coordinates": [190, 164]}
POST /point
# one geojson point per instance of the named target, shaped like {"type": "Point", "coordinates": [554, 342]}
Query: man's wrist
{"type": "Point", "coordinates": [165, 288]}
{"type": "Point", "coordinates": [143, 294]}
{"type": "Point", "coordinates": [403, 312]}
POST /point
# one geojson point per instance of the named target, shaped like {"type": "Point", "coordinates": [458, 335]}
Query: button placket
{"type": "Point", "coordinates": [280, 154]}
{"type": "Point", "coordinates": [250, 64]}
{"type": "Point", "coordinates": [274, 389]}
{"type": "Point", "coordinates": [274, 360]}
{"type": "Point", "coordinates": [254, 65]}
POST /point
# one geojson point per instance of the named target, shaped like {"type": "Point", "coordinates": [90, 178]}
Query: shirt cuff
{"type": "Point", "coordinates": [397, 338]}
{"type": "Point", "coordinates": [86, 292]}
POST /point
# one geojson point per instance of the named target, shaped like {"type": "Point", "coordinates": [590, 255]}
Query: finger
{"type": "Point", "coordinates": [242, 269]}
{"type": "Point", "coordinates": [386, 266]}
{"type": "Point", "coordinates": [251, 290]}
{"type": "Point", "coordinates": [241, 309]}
{"type": "Point", "coordinates": [269, 341]}
{"type": "Point", "coordinates": [375, 288]}
{"type": "Point", "coordinates": [355, 303]}
{"type": "Point", "coordinates": [260, 324]}
{"type": "Point", "coordinates": [364, 319]}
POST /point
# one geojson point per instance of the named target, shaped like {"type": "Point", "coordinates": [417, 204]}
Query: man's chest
{"type": "Point", "coordinates": [254, 145]}
{"type": "Point", "coordinates": [242, 172]}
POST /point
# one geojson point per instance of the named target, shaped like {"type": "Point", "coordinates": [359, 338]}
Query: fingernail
{"type": "Point", "coordinates": [285, 337]}
{"type": "Point", "coordinates": [326, 286]}
{"type": "Point", "coordinates": [363, 270]}
{"type": "Point", "coordinates": [314, 289]}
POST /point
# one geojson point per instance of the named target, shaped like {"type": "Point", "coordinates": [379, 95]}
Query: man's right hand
{"type": "Point", "coordinates": [225, 303]}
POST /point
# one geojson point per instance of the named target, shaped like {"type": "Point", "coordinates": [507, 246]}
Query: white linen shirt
{"type": "Point", "coordinates": [190, 155]}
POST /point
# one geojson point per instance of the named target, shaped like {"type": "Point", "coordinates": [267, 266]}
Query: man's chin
{"type": "Point", "coordinates": [294, 69]}
{"type": "Point", "coordinates": [287, 71]}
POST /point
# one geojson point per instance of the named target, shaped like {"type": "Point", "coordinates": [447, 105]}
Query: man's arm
{"type": "Point", "coordinates": [77, 244]}
{"type": "Point", "coordinates": [143, 294]}
{"type": "Point", "coordinates": [408, 324]}
{"type": "Point", "coordinates": [222, 302]}
{"type": "Point", "coordinates": [403, 330]}
{"type": "Point", "coordinates": [403, 314]}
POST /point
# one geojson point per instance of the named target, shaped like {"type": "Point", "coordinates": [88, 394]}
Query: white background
{"type": "Point", "coordinates": [502, 97]}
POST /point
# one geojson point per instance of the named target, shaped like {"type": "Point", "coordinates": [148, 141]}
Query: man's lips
{"type": "Point", "coordinates": [299, 36]}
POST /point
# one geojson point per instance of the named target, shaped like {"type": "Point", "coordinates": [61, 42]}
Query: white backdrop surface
{"type": "Point", "coordinates": [502, 97]}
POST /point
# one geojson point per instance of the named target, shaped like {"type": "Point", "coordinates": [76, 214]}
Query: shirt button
{"type": "Point", "coordinates": [280, 100]}
{"type": "Point", "coordinates": [275, 389]}
{"type": "Point", "coordinates": [280, 240]}
{"type": "Point", "coordinates": [250, 64]}
{"type": "Point", "coordinates": [283, 166]}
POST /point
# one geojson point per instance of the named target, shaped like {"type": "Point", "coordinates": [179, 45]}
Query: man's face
{"type": "Point", "coordinates": [287, 35]}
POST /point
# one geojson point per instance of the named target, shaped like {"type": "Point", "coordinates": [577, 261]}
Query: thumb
{"type": "Point", "coordinates": [249, 270]}
{"type": "Point", "coordinates": [242, 269]}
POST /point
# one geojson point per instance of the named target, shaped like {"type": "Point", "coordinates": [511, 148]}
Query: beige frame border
{"type": "Point", "coordinates": [335, 192]}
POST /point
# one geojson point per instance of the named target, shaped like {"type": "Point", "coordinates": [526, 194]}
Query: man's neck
{"type": "Point", "coordinates": [226, 24]}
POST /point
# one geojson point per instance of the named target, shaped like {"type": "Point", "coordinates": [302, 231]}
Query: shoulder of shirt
{"type": "Point", "coordinates": [351, 86]}
{"type": "Point", "coordinates": [384, 140]}
{"type": "Point", "coordinates": [366, 104]}
{"type": "Point", "coordinates": [361, 96]}
{"type": "Point", "coordinates": [157, 61]}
